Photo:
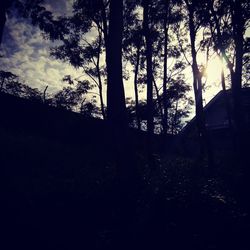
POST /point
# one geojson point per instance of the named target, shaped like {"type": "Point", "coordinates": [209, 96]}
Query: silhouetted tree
{"type": "Point", "coordinates": [165, 55]}
{"type": "Point", "coordinates": [133, 52]}
{"type": "Point", "coordinates": [87, 56]}
{"type": "Point", "coordinates": [74, 95]}
{"type": "Point", "coordinates": [194, 20]}
{"type": "Point", "coordinates": [149, 54]}
{"type": "Point", "coordinates": [31, 93]}
{"type": "Point", "coordinates": [10, 84]}
{"type": "Point", "coordinates": [229, 21]}
{"type": "Point", "coordinates": [6, 78]}
{"type": "Point", "coordinates": [179, 104]}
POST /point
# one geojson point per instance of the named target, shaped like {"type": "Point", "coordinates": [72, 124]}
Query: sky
{"type": "Point", "coordinates": [26, 54]}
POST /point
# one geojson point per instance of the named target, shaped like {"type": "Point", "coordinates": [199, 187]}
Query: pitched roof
{"type": "Point", "coordinates": [218, 97]}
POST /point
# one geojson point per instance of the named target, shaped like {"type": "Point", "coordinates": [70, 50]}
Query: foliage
{"type": "Point", "coordinates": [11, 85]}
{"type": "Point", "coordinates": [74, 97]}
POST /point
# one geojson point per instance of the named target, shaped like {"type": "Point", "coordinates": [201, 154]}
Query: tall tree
{"type": "Point", "coordinates": [194, 22]}
{"type": "Point", "coordinates": [133, 51]}
{"type": "Point", "coordinates": [165, 57]}
{"type": "Point", "coordinates": [149, 53]}
{"type": "Point", "coordinates": [228, 22]}
{"type": "Point", "coordinates": [116, 112]}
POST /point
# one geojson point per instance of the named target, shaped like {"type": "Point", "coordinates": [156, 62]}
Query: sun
{"type": "Point", "coordinates": [212, 77]}
{"type": "Point", "coordinates": [213, 70]}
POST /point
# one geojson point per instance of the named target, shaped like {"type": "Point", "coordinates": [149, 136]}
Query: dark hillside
{"type": "Point", "coordinates": [58, 190]}
{"type": "Point", "coordinates": [19, 115]}
{"type": "Point", "coordinates": [37, 118]}
{"type": "Point", "coordinates": [52, 162]}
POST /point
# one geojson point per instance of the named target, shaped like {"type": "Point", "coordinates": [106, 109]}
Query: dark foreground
{"type": "Point", "coordinates": [58, 195]}
{"type": "Point", "coordinates": [58, 190]}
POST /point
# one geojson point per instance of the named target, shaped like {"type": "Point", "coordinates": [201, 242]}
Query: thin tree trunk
{"type": "Point", "coordinates": [101, 101]}
{"type": "Point", "coordinates": [205, 145]}
{"type": "Point", "coordinates": [105, 24]}
{"type": "Point", "coordinates": [136, 88]}
{"type": "Point", "coordinates": [226, 97]}
{"type": "Point", "coordinates": [150, 119]}
{"type": "Point", "coordinates": [158, 99]}
{"type": "Point", "coordinates": [165, 101]}
{"type": "Point", "coordinates": [99, 78]}
{"type": "Point", "coordinates": [44, 94]}
{"type": "Point", "coordinates": [175, 118]}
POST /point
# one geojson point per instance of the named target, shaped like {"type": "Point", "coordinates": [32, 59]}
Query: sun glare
{"type": "Point", "coordinates": [213, 70]}
{"type": "Point", "coordinates": [213, 77]}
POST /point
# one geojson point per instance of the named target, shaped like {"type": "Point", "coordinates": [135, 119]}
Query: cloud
{"type": "Point", "coordinates": [26, 54]}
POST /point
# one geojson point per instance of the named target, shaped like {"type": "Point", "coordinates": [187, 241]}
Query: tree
{"type": "Point", "coordinates": [86, 56]}
{"type": "Point", "coordinates": [6, 78]}
{"type": "Point", "coordinates": [166, 30]}
{"type": "Point", "coordinates": [149, 55]}
{"type": "Point", "coordinates": [73, 96]}
{"type": "Point", "coordinates": [133, 51]}
{"type": "Point", "coordinates": [10, 84]}
{"type": "Point", "coordinates": [194, 21]}
{"type": "Point", "coordinates": [116, 109]}
{"type": "Point", "coordinates": [179, 104]}
{"type": "Point", "coordinates": [229, 21]}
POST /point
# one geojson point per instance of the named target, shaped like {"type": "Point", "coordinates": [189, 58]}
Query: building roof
{"type": "Point", "coordinates": [216, 100]}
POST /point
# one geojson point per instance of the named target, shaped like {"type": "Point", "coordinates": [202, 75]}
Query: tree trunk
{"type": "Point", "coordinates": [115, 90]}
{"type": "Point", "coordinates": [101, 101]}
{"type": "Point", "coordinates": [105, 24]}
{"type": "Point", "coordinates": [136, 88]}
{"type": "Point", "coordinates": [165, 101]}
{"type": "Point", "coordinates": [197, 85]}
{"type": "Point", "coordinates": [122, 151]}
{"type": "Point", "coordinates": [175, 118]}
{"type": "Point", "coordinates": [158, 99]}
{"type": "Point", "coordinates": [99, 77]}
{"type": "Point", "coordinates": [238, 31]}
{"type": "Point", "coordinates": [235, 111]}
{"type": "Point", "coordinates": [150, 119]}
{"type": "Point", "coordinates": [226, 97]}
{"type": "Point", "coordinates": [44, 94]}
{"type": "Point", "coordinates": [116, 108]}
{"type": "Point", "coordinates": [235, 74]}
